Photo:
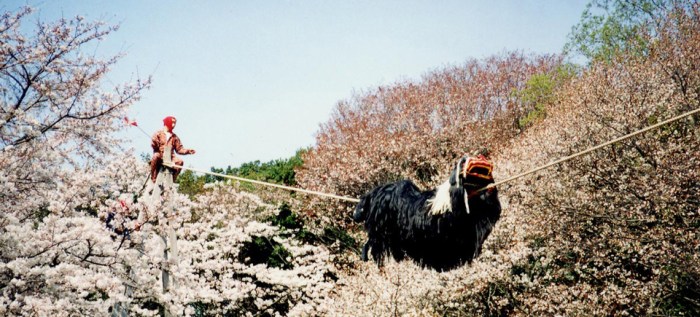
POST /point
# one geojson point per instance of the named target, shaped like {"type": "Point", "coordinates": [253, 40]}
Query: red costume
{"type": "Point", "coordinates": [158, 142]}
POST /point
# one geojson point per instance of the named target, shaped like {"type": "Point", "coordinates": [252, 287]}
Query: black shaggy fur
{"type": "Point", "coordinates": [399, 223]}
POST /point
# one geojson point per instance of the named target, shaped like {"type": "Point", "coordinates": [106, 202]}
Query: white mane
{"type": "Point", "coordinates": [441, 203]}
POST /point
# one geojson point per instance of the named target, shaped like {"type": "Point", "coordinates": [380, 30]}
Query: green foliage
{"type": "Point", "coordinates": [683, 297]}
{"type": "Point", "coordinates": [40, 214]}
{"type": "Point", "coordinates": [289, 220]}
{"type": "Point", "coordinates": [263, 250]}
{"type": "Point", "coordinates": [190, 184]}
{"type": "Point", "coordinates": [219, 225]}
{"type": "Point", "coordinates": [539, 91]}
{"type": "Point", "coordinates": [154, 306]}
{"type": "Point", "coordinates": [537, 94]}
{"type": "Point", "coordinates": [286, 218]}
{"type": "Point", "coordinates": [280, 171]}
{"type": "Point", "coordinates": [532, 268]}
{"type": "Point", "coordinates": [94, 296]}
{"type": "Point", "coordinates": [211, 178]}
{"type": "Point", "coordinates": [609, 27]}
{"type": "Point", "coordinates": [333, 234]}
{"type": "Point", "coordinates": [202, 309]}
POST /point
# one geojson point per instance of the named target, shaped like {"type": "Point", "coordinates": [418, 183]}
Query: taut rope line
{"type": "Point", "coordinates": [510, 179]}
{"type": "Point", "coordinates": [572, 156]}
{"type": "Point", "coordinates": [350, 199]}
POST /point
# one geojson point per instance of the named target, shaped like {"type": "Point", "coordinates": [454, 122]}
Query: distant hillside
{"type": "Point", "coordinates": [613, 232]}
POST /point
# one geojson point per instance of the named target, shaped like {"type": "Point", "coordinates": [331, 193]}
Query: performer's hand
{"type": "Point", "coordinates": [191, 151]}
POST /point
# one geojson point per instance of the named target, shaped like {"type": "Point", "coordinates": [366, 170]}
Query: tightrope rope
{"type": "Point", "coordinates": [572, 156]}
{"type": "Point", "coordinates": [350, 199]}
{"type": "Point", "coordinates": [510, 179]}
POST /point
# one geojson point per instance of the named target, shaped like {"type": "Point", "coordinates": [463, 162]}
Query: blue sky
{"type": "Point", "coordinates": [253, 80]}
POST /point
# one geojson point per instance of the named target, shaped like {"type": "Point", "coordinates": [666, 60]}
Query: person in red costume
{"type": "Point", "coordinates": [158, 142]}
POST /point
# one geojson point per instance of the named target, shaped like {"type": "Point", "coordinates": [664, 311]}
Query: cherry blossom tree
{"type": "Point", "coordinates": [55, 118]}
{"type": "Point", "coordinates": [79, 234]}
{"type": "Point", "coordinates": [620, 222]}
{"type": "Point", "coordinates": [57, 138]}
{"type": "Point", "coordinates": [610, 233]}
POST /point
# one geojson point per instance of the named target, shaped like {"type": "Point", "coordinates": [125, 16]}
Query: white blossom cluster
{"type": "Point", "coordinates": [79, 234]}
{"type": "Point", "coordinates": [70, 262]}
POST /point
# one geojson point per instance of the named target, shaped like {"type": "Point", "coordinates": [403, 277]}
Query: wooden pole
{"type": "Point", "coordinates": [164, 182]}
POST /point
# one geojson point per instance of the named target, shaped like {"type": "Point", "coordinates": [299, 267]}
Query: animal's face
{"type": "Point", "coordinates": [473, 172]}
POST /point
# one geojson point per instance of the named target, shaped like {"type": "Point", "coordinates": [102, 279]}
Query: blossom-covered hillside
{"type": "Point", "coordinates": [614, 232]}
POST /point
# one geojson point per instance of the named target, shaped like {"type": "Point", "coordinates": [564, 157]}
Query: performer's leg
{"type": "Point", "coordinates": [178, 162]}
{"type": "Point", "coordinates": [156, 161]}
